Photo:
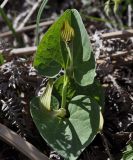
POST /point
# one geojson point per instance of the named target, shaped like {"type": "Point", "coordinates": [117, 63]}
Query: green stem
{"type": "Point", "coordinates": [71, 49]}
{"type": "Point", "coordinates": [41, 9]}
{"type": "Point", "coordinates": [64, 92]}
{"type": "Point", "coordinates": [68, 65]}
{"type": "Point", "coordinates": [69, 55]}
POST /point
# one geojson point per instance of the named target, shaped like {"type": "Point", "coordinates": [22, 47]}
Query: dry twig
{"type": "Point", "coordinates": [3, 3]}
{"type": "Point", "coordinates": [30, 14]}
{"type": "Point", "coordinates": [25, 29]}
{"type": "Point", "coordinates": [19, 143]}
{"type": "Point", "coordinates": [118, 34]}
{"type": "Point", "coordinates": [32, 50]}
{"type": "Point", "coordinates": [106, 146]}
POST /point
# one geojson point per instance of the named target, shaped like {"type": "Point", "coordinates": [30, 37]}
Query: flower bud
{"type": "Point", "coordinates": [67, 32]}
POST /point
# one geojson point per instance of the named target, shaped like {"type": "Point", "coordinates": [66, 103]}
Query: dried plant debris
{"type": "Point", "coordinates": [17, 86]}
{"type": "Point", "coordinates": [118, 111]}
{"type": "Point", "coordinates": [117, 79]}
{"type": "Point", "coordinates": [109, 47]}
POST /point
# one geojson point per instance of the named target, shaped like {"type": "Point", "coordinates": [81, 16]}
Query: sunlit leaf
{"type": "Point", "coordinates": [69, 136]}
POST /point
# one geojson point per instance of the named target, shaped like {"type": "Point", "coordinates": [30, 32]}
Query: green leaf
{"type": "Point", "coordinates": [49, 49]}
{"type": "Point", "coordinates": [68, 136]}
{"type": "Point", "coordinates": [128, 153]}
{"type": "Point", "coordinates": [94, 90]}
{"type": "Point", "coordinates": [52, 53]}
{"type": "Point", "coordinates": [49, 69]}
{"type": "Point", "coordinates": [83, 58]}
{"type": "Point", "coordinates": [58, 86]}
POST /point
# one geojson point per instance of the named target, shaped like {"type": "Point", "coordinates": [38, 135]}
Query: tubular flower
{"type": "Point", "coordinates": [67, 32]}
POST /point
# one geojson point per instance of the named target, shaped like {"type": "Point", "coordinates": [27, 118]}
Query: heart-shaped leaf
{"type": "Point", "coordinates": [49, 49]}
{"type": "Point", "coordinates": [52, 55]}
{"type": "Point", "coordinates": [68, 136]}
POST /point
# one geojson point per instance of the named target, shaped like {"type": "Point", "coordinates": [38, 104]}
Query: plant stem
{"type": "Point", "coordinates": [69, 55]}
{"type": "Point", "coordinates": [41, 9]}
{"type": "Point", "coordinates": [64, 91]}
